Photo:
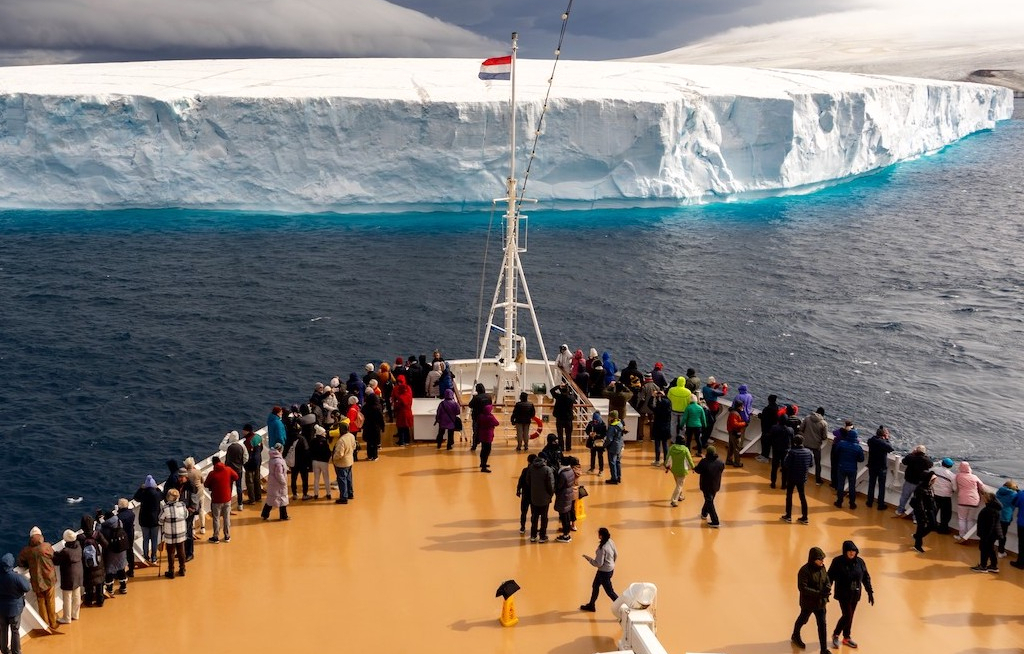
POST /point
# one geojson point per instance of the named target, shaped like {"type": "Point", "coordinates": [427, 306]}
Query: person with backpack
{"type": "Point", "coordinates": [69, 562]}
{"type": "Point", "coordinates": [94, 574]}
{"type": "Point", "coordinates": [115, 555]}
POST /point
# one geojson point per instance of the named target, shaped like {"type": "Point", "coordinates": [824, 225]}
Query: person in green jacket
{"type": "Point", "coordinates": [680, 396]}
{"type": "Point", "coordinates": [813, 583]}
{"type": "Point", "coordinates": [679, 463]}
{"type": "Point", "coordinates": [695, 421]}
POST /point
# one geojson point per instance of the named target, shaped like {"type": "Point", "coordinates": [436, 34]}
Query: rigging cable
{"type": "Point", "coordinates": [483, 275]}
{"type": "Point", "coordinates": [544, 107]}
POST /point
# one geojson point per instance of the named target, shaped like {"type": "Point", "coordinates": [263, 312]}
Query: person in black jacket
{"type": "Point", "coordinates": [916, 463]}
{"type": "Point", "coordinates": [126, 515]}
{"type": "Point", "coordinates": [69, 560]}
{"type": "Point", "coordinates": [780, 438]}
{"type": "Point", "coordinates": [813, 583]}
{"type": "Point", "coordinates": [989, 533]}
{"type": "Point", "coordinates": [878, 464]}
{"type": "Point", "coordinates": [523, 492]}
{"type": "Point", "coordinates": [149, 497]}
{"type": "Point", "coordinates": [541, 480]}
{"type": "Point", "coordinates": [769, 416]}
{"type": "Point", "coordinates": [373, 425]}
{"type": "Point", "coordinates": [710, 470]}
{"type": "Point", "coordinates": [522, 418]}
{"type": "Point", "coordinates": [923, 503]}
{"type": "Point", "coordinates": [565, 404]}
{"type": "Point", "coordinates": [476, 407]}
{"type": "Point", "coordinates": [849, 574]}
{"type": "Point", "coordinates": [794, 470]}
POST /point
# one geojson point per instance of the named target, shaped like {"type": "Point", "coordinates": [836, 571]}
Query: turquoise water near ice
{"type": "Point", "coordinates": [130, 337]}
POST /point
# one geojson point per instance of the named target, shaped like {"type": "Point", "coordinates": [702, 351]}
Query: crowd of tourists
{"type": "Point", "coordinates": [340, 418]}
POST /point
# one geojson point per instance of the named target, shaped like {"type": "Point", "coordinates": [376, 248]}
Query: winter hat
{"type": "Point", "coordinates": [658, 366]}
{"type": "Point", "coordinates": [947, 462]}
{"type": "Point", "coordinates": [352, 399]}
{"type": "Point", "coordinates": [69, 536]}
{"type": "Point", "coordinates": [35, 531]}
{"type": "Point", "coordinates": [369, 367]}
{"type": "Point", "coordinates": [150, 482]}
{"type": "Point", "coordinates": [182, 472]}
{"type": "Point", "coordinates": [319, 431]}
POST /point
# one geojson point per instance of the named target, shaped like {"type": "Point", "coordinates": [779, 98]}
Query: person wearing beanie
{"type": "Point", "coordinates": [563, 412]}
{"type": "Point", "coordinates": [923, 503]}
{"type": "Point", "coordinates": [13, 587]}
{"type": "Point", "coordinates": [487, 423]}
{"type": "Point", "coordinates": [693, 382]}
{"type": "Point", "coordinates": [37, 557]}
{"type": "Point", "coordinates": [849, 575]}
{"type": "Point", "coordinates": [1005, 494]}
{"type": "Point", "coordinates": [195, 478]}
{"type": "Point", "coordinates": [373, 425]}
{"type": "Point", "coordinates": [658, 375]}
{"type": "Point", "coordinates": [69, 561]}
{"type": "Point", "coordinates": [174, 522]}
{"type": "Point", "coordinates": [149, 498]}
{"type": "Point", "coordinates": [942, 488]}
{"type": "Point", "coordinates": [710, 469]}
{"type": "Point", "coordinates": [115, 559]}
{"type": "Point", "coordinates": [769, 416]}
{"type": "Point", "coordinates": [814, 586]}
{"type": "Point", "coordinates": [476, 406]}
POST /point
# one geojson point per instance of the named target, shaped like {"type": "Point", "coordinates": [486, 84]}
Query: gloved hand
{"type": "Point", "coordinates": [871, 599]}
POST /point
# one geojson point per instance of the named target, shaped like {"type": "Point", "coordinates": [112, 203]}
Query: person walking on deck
{"type": "Point", "coordinates": [604, 560]}
{"type": "Point", "coordinates": [522, 417]}
{"type": "Point", "coordinates": [679, 462]}
{"type": "Point", "coordinates": [710, 470]}
{"type": "Point", "coordinates": [879, 449]}
{"type": "Point", "coordinates": [814, 587]}
{"type": "Point", "coordinates": [447, 419]}
{"type": "Point", "coordinates": [476, 407]}
{"type": "Point", "coordinates": [799, 461]}
{"type": "Point", "coordinates": [37, 558]}
{"type": "Point", "coordinates": [277, 485]}
{"type": "Point", "coordinates": [849, 575]}
{"type": "Point", "coordinates": [486, 424]}
{"type": "Point", "coordinates": [13, 588]}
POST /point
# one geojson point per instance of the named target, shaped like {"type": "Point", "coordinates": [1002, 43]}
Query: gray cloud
{"type": "Point", "coordinates": [38, 31]}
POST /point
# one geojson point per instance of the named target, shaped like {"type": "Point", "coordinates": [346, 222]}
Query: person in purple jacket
{"type": "Point", "coordinates": [747, 399]}
{"type": "Point", "coordinates": [448, 412]}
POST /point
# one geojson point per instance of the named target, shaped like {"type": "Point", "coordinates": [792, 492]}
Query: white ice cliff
{"type": "Point", "coordinates": [389, 134]}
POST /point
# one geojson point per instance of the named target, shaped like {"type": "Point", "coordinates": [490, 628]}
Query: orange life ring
{"type": "Point", "coordinates": [540, 425]}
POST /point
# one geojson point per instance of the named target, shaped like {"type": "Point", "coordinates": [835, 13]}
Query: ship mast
{"type": "Point", "coordinates": [511, 344]}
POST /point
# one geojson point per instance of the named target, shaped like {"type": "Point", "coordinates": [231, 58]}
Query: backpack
{"type": "Point", "coordinates": [119, 539]}
{"type": "Point", "coordinates": [90, 554]}
{"type": "Point", "coordinates": [357, 424]}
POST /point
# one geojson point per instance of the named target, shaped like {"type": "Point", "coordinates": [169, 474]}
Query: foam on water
{"type": "Point", "coordinates": [127, 338]}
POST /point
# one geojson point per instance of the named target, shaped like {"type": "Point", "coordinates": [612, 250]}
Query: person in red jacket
{"type": "Point", "coordinates": [735, 426]}
{"type": "Point", "coordinates": [220, 481]}
{"type": "Point", "coordinates": [401, 404]}
{"type": "Point", "coordinates": [485, 425]}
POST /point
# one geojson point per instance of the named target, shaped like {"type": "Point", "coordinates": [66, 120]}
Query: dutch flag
{"type": "Point", "coordinates": [496, 68]}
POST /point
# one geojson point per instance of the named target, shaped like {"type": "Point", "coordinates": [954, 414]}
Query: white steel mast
{"type": "Point", "coordinates": [512, 345]}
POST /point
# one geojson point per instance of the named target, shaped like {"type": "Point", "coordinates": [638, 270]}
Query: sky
{"type": "Point", "coordinates": [67, 31]}
{"type": "Point", "coordinates": [858, 35]}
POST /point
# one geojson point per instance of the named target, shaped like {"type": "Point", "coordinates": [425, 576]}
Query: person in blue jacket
{"type": "Point", "coordinates": [1018, 504]}
{"type": "Point", "coordinates": [1006, 494]}
{"type": "Point", "coordinates": [275, 428]}
{"type": "Point", "coordinates": [849, 454]}
{"type": "Point", "coordinates": [13, 587]}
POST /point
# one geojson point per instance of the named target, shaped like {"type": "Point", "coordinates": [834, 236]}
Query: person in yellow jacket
{"type": "Point", "coordinates": [680, 396]}
{"type": "Point", "coordinates": [679, 462]}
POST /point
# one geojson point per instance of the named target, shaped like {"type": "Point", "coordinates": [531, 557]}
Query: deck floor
{"type": "Point", "coordinates": [413, 563]}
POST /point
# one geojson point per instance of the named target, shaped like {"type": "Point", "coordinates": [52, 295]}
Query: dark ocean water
{"type": "Point", "coordinates": [129, 337]}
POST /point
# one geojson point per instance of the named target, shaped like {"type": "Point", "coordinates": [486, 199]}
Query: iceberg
{"type": "Point", "coordinates": [372, 135]}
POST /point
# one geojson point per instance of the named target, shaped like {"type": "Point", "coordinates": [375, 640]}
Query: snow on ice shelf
{"type": "Point", "coordinates": [400, 134]}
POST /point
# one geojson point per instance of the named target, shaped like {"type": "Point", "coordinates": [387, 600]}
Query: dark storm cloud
{"type": "Point", "coordinates": [601, 29]}
{"type": "Point", "coordinates": [38, 31]}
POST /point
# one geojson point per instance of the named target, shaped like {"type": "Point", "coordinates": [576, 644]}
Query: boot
{"type": "Point", "coordinates": [108, 589]}
{"type": "Point", "coordinates": [124, 588]}
{"type": "Point", "coordinates": [796, 640]}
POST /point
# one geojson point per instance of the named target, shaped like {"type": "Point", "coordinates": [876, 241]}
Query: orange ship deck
{"type": "Point", "coordinates": [413, 563]}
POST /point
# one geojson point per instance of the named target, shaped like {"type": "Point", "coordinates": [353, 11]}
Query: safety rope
{"type": "Point", "coordinates": [544, 108]}
{"type": "Point", "coordinates": [483, 276]}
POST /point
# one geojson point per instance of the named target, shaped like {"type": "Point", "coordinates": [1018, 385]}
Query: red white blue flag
{"type": "Point", "coordinates": [496, 68]}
